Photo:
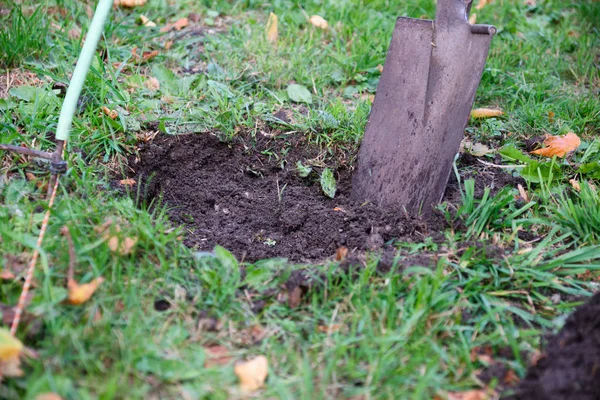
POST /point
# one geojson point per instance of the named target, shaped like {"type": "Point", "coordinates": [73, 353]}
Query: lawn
{"type": "Point", "coordinates": [458, 308]}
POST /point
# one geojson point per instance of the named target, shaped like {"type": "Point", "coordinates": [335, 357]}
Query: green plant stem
{"type": "Point", "coordinates": [81, 69]}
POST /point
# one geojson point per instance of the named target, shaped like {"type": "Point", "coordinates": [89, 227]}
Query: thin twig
{"type": "Point", "coordinates": [489, 164]}
{"type": "Point", "coordinates": [36, 252]}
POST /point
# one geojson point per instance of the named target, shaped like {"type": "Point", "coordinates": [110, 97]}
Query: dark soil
{"type": "Point", "coordinates": [570, 365]}
{"type": "Point", "coordinates": [242, 196]}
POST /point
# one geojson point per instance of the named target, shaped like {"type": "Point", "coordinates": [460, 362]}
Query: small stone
{"type": "Point", "coordinates": [374, 241]}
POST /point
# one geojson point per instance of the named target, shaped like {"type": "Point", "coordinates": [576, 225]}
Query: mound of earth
{"type": "Point", "coordinates": [569, 369]}
{"type": "Point", "coordinates": [245, 198]}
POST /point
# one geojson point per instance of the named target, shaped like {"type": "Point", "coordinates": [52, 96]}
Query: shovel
{"type": "Point", "coordinates": [421, 108]}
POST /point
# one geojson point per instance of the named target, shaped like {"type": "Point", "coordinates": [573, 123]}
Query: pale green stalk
{"type": "Point", "coordinates": [81, 69]}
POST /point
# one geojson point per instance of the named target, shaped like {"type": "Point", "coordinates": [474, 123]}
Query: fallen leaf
{"type": "Point", "coordinates": [152, 83]}
{"type": "Point", "coordinates": [216, 356]}
{"type": "Point", "coordinates": [523, 193]}
{"type": "Point", "coordinates": [80, 293]}
{"type": "Point", "coordinates": [559, 145]}
{"type": "Point", "coordinates": [144, 57]}
{"type": "Point", "coordinates": [341, 253]}
{"type": "Point", "coordinates": [340, 209]}
{"type": "Point", "coordinates": [48, 396]}
{"type": "Point", "coordinates": [271, 29]}
{"type": "Point", "coordinates": [127, 182]}
{"type": "Point", "coordinates": [177, 25]}
{"type": "Point", "coordinates": [123, 247]}
{"type": "Point", "coordinates": [511, 378]}
{"type": "Point", "coordinates": [7, 275]}
{"type": "Point", "coordinates": [575, 184]}
{"type": "Point", "coordinates": [473, 19]}
{"type": "Point", "coordinates": [470, 395]}
{"type": "Point", "coordinates": [294, 297]}
{"type": "Point", "coordinates": [479, 150]}
{"type": "Point", "coordinates": [146, 21]}
{"type": "Point", "coordinates": [482, 3]}
{"type": "Point", "coordinates": [551, 117]}
{"type": "Point", "coordinates": [485, 113]}
{"type": "Point", "coordinates": [129, 3]}
{"type": "Point", "coordinates": [319, 22]}
{"type": "Point", "coordinates": [10, 353]}
{"type": "Point", "coordinates": [329, 328]}
{"type": "Point", "coordinates": [112, 114]}
{"type": "Point", "coordinates": [252, 373]}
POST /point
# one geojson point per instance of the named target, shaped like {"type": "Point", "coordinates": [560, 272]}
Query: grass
{"type": "Point", "coordinates": [362, 333]}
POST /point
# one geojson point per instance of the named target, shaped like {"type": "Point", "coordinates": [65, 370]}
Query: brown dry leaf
{"type": "Point", "coordinates": [271, 29]}
{"type": "Point", "coordinates": [80, 293]}
{"type": "Point", "coordinates": [129, 3]}
{"type": "Point", "coordinates": [146, 55]}
{"type": "Point", "coordinates": [216, 356]}
{"type": "Point", "coordinates": [10, 353]}
{"type": "Point", "coordinates": [319, 22]}
{"type": "Point", "coordinates": [559, 145]}
{"type": "Point", "coordinates": [511, 378]}
{"type": "Point", "coordinates": [523, 193]}
{"type": "Point", "coordinates": [341, 253]}
{"type": "Point", "coordinates": [329, 328]}
{"type": "Point", "coordinates": [127, 182]}
{"type": "Point", "coordinates": [485, 113]}
{"type": "Point", "coordinates": [177, 25]}
{"type": "Point", "coordinates": [340, 209]}
{"type": "Point", "coordinates": [152, 83]}
{"type": "Point", "coordinates": [112, 114]}
{"type": "Point", "coordinates": [551, 116]}
{"type": "Point", "coordinates": [473, 19]}
{"type": "Point", "coordinates": [147, 22]}
{"type": "Point", "coordinates": [252, 373]}
{"type": "Point", "coordinates": [294, 297]}
{"type": "Point", "coordinates": [482, 3]}
{"type": "Point", "coordinates": [7, 275]}
{"type": "Point", "coordinates": [479, 150]}
{"type": "Point", "coordinates": [116, 244]}
{"type": "Point", "coordinates": [48, 396]}
{"type": "Point", "coordinates": [575, 184]}
{"type": "Point", "coordinates": [470, 395]}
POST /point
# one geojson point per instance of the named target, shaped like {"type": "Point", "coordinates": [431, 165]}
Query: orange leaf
{"type": "Point", "coordinates": [112, 114]}
{"type": "Point", "coordinates": [575, 184]}
{"type": "Point", "coordinates": [127, 182]}
{"type": "Point", "coordinates": [252, 373]}
{"type": "Point", "coordinates": [559, 145]}
{"type": "Point", "coordinates": [329, 328]}
{"type": "Point", "coordinates": [80, 293]}
{"type": "Point", "coordinates": [129, 3]}
{"type": "Point", "coordinates": [485, 113]}
{"type": "Point", "coordinates": [341, 253]}
{"type": "Point", "coordinates": [177, 25]}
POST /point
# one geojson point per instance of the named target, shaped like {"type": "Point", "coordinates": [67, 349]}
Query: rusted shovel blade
{"type": "Point", "coordinates": [421, 108]}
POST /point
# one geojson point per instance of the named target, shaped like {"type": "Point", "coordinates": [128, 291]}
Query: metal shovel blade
{"type": "Point", "coordinates": [421, 108]}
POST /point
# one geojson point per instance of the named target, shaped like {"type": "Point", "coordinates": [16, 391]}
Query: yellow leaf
{"type": "Point", "coordinates": [575, 184]}
{"type": "Point", "coordinates": [319, 22]}
{"type": "Point", "coordinates": [10, 352]}
{"type": "Point", "coordinates": [252, 373]}
{"type": "Point", "coordinates": [146, 22]}
{"type": "Point", "coordinates": [271, 29]}
{"type": "Point", "coordinates": [80, 293]}
{"type": "Point", "coordinates": [485, 113]}
{"type": "Point", "coordinates": [129, 3]}
{"type": "Point", "coordinates": [559, 145]}
{"type": "Point", "coordinates": [48, 396]}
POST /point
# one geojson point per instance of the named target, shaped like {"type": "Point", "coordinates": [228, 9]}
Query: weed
{"type": "Point", "coordinates": [23, 36]}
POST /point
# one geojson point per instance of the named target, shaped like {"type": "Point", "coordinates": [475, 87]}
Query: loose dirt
{"type": "Point", "coordinates": [570, 365]}
{"type": "Point", "coordinates": [246, 199]}
{"type": "Point", "coordinates": [247, 196]}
